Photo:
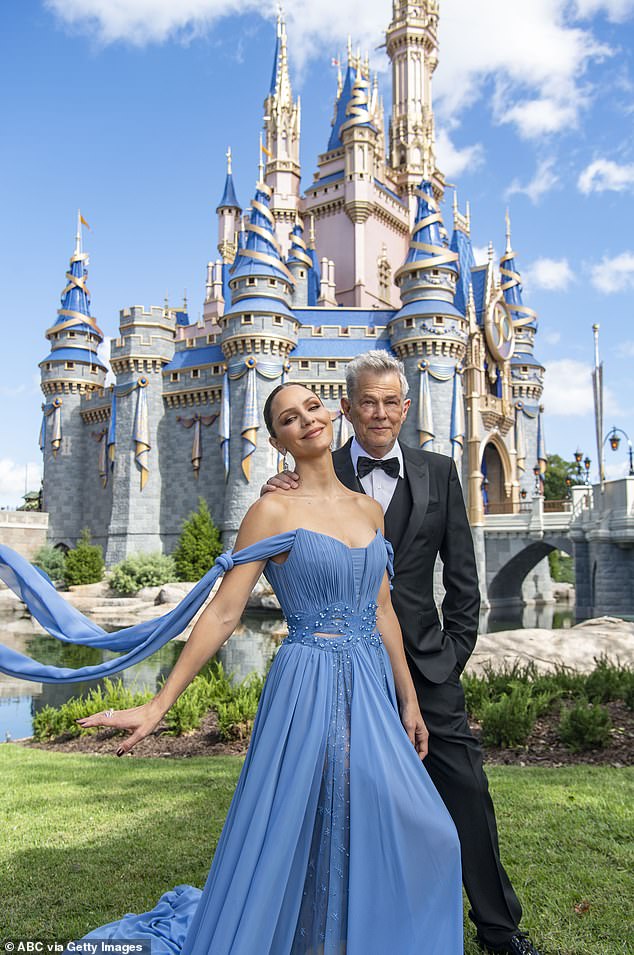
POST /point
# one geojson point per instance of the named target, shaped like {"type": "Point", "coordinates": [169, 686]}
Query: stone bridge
{"type": "Point", "coordinates": [596, 528]}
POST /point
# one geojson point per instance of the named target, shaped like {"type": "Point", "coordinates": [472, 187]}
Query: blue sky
{"type": "Point", "coordinates": [126, 109]}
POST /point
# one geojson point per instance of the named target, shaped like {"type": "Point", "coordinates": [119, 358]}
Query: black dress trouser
{"type": "Point", "coordinates": [454, 763]}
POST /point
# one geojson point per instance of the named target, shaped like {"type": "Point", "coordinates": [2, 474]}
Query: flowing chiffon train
{"type": "Point", "coordinates": [336, 841]}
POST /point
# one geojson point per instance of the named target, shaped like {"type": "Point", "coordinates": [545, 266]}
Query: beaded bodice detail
{"type": "Point", "coordinates": [326, 587]}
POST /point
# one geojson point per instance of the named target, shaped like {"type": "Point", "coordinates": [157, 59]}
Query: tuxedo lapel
{"type": "Point", "coordinates": [418, 475]}
{"type": "Point", "coordinates": [342, 461]}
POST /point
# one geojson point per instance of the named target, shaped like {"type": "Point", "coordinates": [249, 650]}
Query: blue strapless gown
{"type": "Point", "coordinates": [336, 841]}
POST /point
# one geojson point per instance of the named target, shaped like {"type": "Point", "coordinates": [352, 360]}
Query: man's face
{"type": "Point", "coordinates": [377, 411]}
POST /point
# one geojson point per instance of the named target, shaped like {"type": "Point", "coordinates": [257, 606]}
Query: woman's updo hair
{"type": "Point", "coordinates": [268, 404]}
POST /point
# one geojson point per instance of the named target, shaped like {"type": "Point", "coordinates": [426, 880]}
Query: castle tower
{"type": "Point", "coordinates": [358, 136]}
{"type": "Point", "coordinates": [429, 334]}
{"type": "Point", "coordinates": [527, 373]}
{"type": "Point", "coordinates": [282, 133]}
{"type": "Point", "coordinates": [145, 344]}
{"type": "Point", "coordinates": [360, 222]}
{"type": "Point", "coordinates": [412, 46]}
{"type": "Point", "coordinates": [71, 370]}
{"type": "Point", "coordinates": [228, 212]}
{"type": "Point", "coordinates": [258, 332]}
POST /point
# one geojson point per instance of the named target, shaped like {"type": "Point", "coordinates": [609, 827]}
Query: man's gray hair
{"type": "Point", "coordinates": [377, 362]}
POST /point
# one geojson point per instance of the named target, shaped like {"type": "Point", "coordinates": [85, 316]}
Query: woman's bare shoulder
{"type": "Point", "coordinates": [372, 509]}
{"type": "Point", "coordinates": [264, 518]}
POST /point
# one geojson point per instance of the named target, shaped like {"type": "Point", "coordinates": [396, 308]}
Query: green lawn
{"type": "Point", "coordinates": [84, 839]}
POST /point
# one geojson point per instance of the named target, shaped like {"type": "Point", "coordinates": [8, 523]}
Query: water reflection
{"type": "Point", "coordinates": [552, 616]}
{"type": "Point", "coordinates": [250, 649]}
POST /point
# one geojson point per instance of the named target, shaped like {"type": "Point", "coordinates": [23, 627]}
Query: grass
{"type": "Point", "coordinates": [84, 839]}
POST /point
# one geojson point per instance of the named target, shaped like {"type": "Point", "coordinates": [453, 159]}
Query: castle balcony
{"type": "Point", "coordinates": [496, 414]}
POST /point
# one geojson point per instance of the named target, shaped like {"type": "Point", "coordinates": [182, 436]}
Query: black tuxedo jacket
{"type": "Point", "coordinates": [437, 525]}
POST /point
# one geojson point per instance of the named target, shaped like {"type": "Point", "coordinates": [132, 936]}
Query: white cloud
{"type": "Point", "coordinates": [568, 390]}
{"type": "Point", "coordinates": [535, 56]}
{"type": "Point", "coordinates": [13, 477]}
{"type": "Point", "coordinates": [616, 10]}
{"type": "Point", "coordinates": [454, 161]}
{"type": "Point", "coordinates": [553, 275]}
{"type": "Point", "coordinates": [625, 349]}
{"type": "Point", "coordinates": [543, 181]}
{"type": "Point", "coordinates": [604, 174]}
{"type": "Point", "coordinates": [614, 273]}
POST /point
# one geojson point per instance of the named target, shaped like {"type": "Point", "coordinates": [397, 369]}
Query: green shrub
{"type": "Point", "coordinates": [211, 688]}
{"type": "Point", "coordinates": [198, 546]}
{"type": "Point", "coordinates": [476, 693]}
{"type": "Point", "coordinates": [585, 726]}
{"type": "Point", "coordinates": [608, 681]}
{"type": "Point", "coordinates": [142, 570]}
{"type": "Point", "coordinates": [51, 561]}
{"type": "Point", "coordinates": [52, 722]}
{"type": "Point", "coordinates": [236, 717]}
{"type": "Point", "coordinates": [629, 695]}
{"type": "Point", "coordinates": [509, 720]}
{"type": "Point", "coordinates": [84, 563]}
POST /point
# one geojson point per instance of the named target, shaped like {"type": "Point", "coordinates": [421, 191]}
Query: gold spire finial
{"type": "Point", "coordinates": [490, 251]}
{"type": "Point", "coordinates": [228, 158]}
{"type": "Point", "coordinates": [78, 234]}
{"type": "Point", "coordinates": [260, 163]}
{"type": "Point", "coordinates": [507, 219]}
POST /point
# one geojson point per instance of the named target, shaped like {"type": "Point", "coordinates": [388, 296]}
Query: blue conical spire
{"type": "Point", "coordinates": [427, 247]}
{"type": "Point", "coordinates": [512, 286]}
{"type": "Point", "coordinates": [229, 198]}
{"type": "Point", "coordinates": [73, 317]}
{"type": "Point", "coordinates": [75, 297]}
{"type": "Point", "coordinates": [298, 254]}
{"type": "Point", "coordinates": [261, 253]}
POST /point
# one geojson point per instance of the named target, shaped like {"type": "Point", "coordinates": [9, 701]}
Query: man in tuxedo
{"type": "Point", "coordinates": [425, 516]}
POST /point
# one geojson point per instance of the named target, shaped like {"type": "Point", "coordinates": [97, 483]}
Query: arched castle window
{"type": "Point", "coordinates": [384, 273]}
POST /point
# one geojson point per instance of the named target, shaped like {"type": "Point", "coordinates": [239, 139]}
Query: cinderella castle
{"type": "Point", "coordinates": [361, 258]}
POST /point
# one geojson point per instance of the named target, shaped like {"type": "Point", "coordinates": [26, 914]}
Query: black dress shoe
{"type": "Point", "coordinates": [518, 944]}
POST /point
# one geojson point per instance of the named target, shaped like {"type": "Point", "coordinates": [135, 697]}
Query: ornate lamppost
{"type": "Point", "coordinates": [614, 439]}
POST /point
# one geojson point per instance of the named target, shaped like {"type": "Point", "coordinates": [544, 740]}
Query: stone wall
{"type": "Point", "coordinates": [24, 531]}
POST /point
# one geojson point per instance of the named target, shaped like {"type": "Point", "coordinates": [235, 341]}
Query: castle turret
{"type": "Point", "coordinates": [429, 333]}
{"type": "Point", "coordinates": [282, 131]}
{"type": "Point", "coordinates": [412, 46]}
{"type": "Point", "coordinates": [71, 370]}
{"type": "Point", "coordinates": [358, 136]}
{"type": "Point", "coordinates": [527, 373]}
{"type": "Point", "coordinates": [258, 332]}
{"type": "Point", "coordinates": [229, 212]}
{"type": "Point", "coordinates": [144, 346]}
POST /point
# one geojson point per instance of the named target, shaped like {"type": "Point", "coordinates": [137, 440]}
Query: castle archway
{"type": "Point", "coordinates": [496, 478]}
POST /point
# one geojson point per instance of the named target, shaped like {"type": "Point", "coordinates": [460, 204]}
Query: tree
{"type": "Point", "coordinates": [198, 546]}
{"type": "Point", "coordinates": [84, 563]}
{"type": "Point", "coordinates": [555, 487]}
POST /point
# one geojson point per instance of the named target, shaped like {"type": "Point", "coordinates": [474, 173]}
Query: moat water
{"type": "Point", "coordinates": [249, 650]}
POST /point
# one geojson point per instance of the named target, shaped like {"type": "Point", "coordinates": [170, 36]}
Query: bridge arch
{"type": "Point", "coordinates": [506, 583]}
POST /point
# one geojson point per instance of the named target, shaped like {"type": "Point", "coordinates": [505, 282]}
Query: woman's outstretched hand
{"type": "Point", "coordinates": [415, 727]}
{"type": "Point", "coordinates": [139, 721]}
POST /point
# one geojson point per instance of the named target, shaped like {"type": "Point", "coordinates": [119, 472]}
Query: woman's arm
{"type": "Point", "coordinates": [212, 629]}
{"type": "Point", "coordinates": [390, 630]}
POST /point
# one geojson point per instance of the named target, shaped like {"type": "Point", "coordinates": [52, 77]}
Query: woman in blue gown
{"type": "Point", "coordinates": [336, 841]}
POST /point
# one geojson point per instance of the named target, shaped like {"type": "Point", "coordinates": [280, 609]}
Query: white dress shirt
{"type": "Point", "coordinates": [377, 483]}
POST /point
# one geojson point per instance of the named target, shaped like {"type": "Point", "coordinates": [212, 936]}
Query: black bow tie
{"type": "Point", "coordinates": [391, 466]}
